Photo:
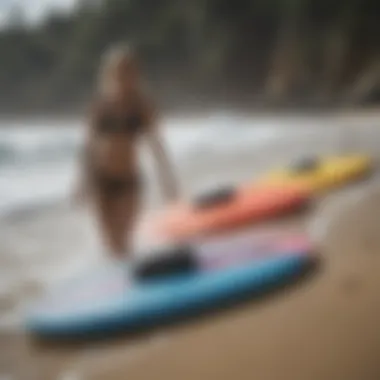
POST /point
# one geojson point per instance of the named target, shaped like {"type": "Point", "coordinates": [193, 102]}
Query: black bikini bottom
{"type": "Point", "coordinates": [114, 186]}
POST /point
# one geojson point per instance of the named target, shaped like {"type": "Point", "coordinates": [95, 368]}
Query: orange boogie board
{"type": "Point", "coordinates": [247, 205]}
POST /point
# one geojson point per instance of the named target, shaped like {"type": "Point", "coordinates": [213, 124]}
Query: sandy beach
{"type": "Point", "coordinates": [322, 328]}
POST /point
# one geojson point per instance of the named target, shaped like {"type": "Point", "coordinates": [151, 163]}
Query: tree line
{"type": "Point", "coordinates": [257, 52]}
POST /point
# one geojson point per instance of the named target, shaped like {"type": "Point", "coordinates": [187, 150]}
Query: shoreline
{"type": "Point", "coordinates": [194, 112]}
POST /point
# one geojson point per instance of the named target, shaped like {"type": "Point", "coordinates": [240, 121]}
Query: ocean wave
{"type": "Point", "coordinates": [37, 163]}
{"type": "Point", "coordinates": [21, 152]}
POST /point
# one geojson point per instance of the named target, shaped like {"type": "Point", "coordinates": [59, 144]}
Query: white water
{"type": "Point", "coordinates": [37, 162]}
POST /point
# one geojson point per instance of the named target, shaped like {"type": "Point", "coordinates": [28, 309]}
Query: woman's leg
{"type": "Point", "coordinates": [123, 222]}
{"type": "Point", "coordinates": [116, 216]}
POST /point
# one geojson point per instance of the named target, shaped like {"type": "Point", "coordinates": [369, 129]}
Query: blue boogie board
{"type": "Point", "coordinates": [106, 303]}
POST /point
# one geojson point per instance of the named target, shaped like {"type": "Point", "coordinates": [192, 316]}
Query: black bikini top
{"type": "Point", "coordinates": [130, 123]}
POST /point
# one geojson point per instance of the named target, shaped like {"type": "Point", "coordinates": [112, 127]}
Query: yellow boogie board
{"type": "Point", "coordinates": [318, 175]}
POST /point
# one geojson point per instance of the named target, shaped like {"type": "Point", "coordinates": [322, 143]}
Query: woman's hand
{"type": "Point", "coordinates": [170, 189]}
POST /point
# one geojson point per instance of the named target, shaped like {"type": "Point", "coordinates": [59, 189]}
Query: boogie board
{"type": "Point", "coordinates": [246, 205]}
{"type": "Point", "coordinates": [318, 175]}
{"type": "Point", "coordinates": [228, 270]}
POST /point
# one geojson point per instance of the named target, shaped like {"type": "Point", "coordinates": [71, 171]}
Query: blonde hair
{"type": "Point", "coordinates": [109, 61]}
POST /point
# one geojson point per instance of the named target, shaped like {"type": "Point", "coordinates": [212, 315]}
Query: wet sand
{"type": "Point", "coordinates": [324, 327]}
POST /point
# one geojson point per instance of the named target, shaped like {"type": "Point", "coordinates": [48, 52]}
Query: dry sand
{"type": "Point", "coordinates": [323, 328]}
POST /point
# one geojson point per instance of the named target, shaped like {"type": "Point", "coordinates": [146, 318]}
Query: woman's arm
{"type": "Point", "coordinates": [164, 169]}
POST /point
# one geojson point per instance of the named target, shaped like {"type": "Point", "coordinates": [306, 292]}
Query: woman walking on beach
{"type": "Point", "coordinates": [120, 116]}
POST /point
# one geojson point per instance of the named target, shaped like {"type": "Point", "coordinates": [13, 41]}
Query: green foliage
{"type": "Point", "coordinates": [199, 44]}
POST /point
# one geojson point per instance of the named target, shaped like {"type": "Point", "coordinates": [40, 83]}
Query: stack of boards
{"type": "Point", "coordinates": [276, 193]}
{"type": "Point", "coordinates": [209, 270]}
